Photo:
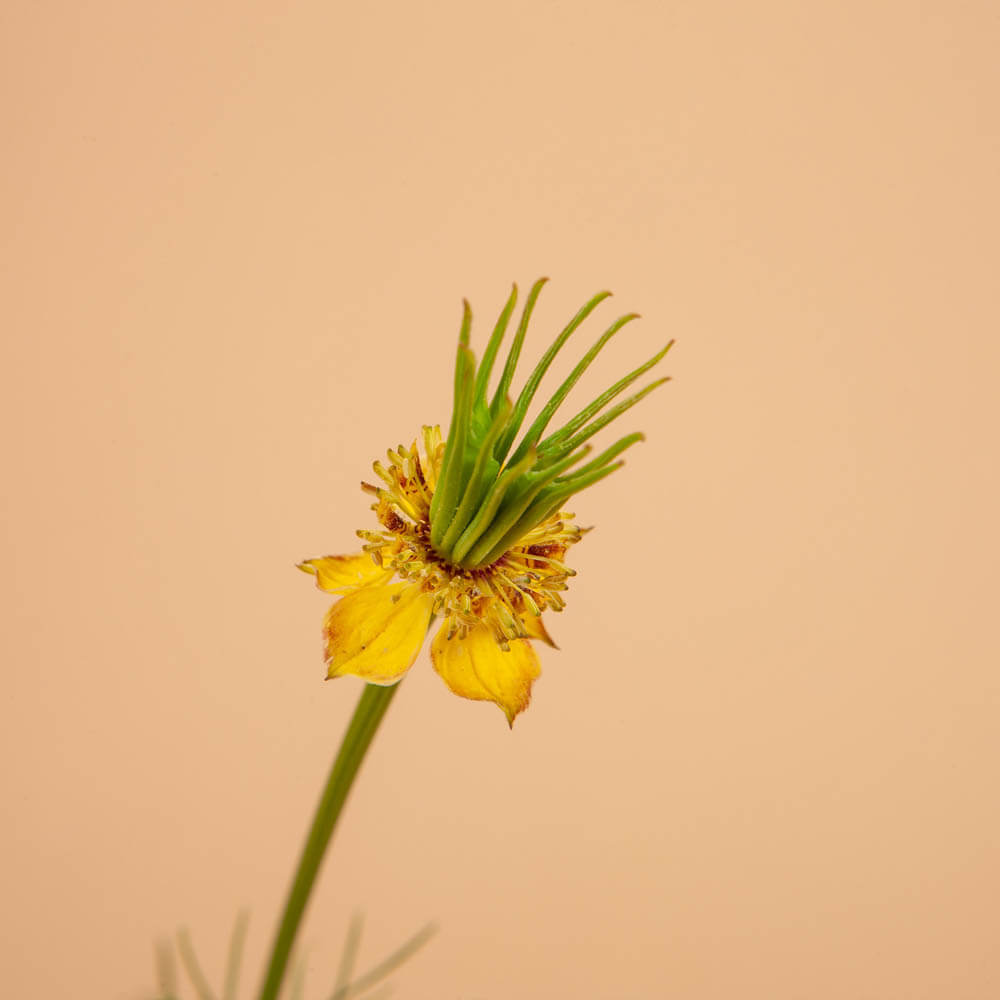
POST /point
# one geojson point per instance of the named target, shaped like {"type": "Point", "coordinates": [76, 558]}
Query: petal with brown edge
{"type": "Point", "coordinates": [339, 574]}
{"type": "Point", "coordinates": [536, 629]}
{"type": "Point", "coordinates": [376, 632]}
{"type": "Point", "coordinates": [477, 667]}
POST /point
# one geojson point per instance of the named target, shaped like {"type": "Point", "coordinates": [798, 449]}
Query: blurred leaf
{"type": "Point", "coordinates": [387, 967]}
{"type": "Point", "coordinates": [235, 959]}
{"type": "Point", "coordinates": [348, 955]}
{"type": "Point", "coordinates": [191, 966]}
{"type": "Point", "coordinates": [380, 994]}
{"type": "Point", "coordinates": [166, 970]}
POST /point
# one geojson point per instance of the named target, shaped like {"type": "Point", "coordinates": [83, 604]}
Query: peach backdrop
{"type": "Point", "coordinates": [236, 236]}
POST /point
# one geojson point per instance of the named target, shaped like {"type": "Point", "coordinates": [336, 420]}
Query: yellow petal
{"type": "Point", "coordinates": [339, 574]}
{"type": "Point", "coordinates": [476, 667]}
{"type": "Point", "coordinates": [536, 629]}
{"type": "Point", "coordinates": [376, 632]}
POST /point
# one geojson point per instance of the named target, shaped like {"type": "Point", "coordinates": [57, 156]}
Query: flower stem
{"type": "Point", "coordinates": [363, 726]}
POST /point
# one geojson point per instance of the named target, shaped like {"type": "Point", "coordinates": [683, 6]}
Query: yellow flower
{"type": "Point", "coordinates": [473, 530]}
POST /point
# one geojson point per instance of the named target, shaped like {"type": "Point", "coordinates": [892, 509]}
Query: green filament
{"type": "Point", "coordinates": [487, 498]}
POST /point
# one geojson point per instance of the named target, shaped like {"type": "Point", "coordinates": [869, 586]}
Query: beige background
{"type": "Point", "coordinates": [235, 240]}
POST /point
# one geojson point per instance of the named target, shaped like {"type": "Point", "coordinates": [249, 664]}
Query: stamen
{"type": "Point", "coordinates": [528, 599]}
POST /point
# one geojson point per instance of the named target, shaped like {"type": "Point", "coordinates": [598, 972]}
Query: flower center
{"type": "Point", "coordinates": [508, 594]}
{"type": "Point", "coordinates": [478, 521]}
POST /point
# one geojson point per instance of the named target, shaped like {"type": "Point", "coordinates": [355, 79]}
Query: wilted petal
{"type": "Point", "coordinates": [339, 574]}
{"type": "Point", "coordinates": [376, 632]}
{"type": "Point", "coordinates": [476, 667]}
{"type": "Point", "coordinates": [536, 629]}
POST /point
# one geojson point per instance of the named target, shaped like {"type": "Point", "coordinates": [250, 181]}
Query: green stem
{"type": "Point", "coordinates": [367, 716]}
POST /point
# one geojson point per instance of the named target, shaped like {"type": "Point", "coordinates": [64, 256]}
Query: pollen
{"type": "Point", "coordinates": [508, 595]}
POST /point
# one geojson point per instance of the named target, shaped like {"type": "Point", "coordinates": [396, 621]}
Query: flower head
{"type": "Point", "coordinates": [472, 529]}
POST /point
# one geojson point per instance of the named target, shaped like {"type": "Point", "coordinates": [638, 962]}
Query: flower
{"type": "Point", "coordinates": [473, 529]}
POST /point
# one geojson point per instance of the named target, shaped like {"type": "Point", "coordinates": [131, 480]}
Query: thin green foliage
{"type": "Point", "coordinates": [487, 495]}
{"type": "Point", "coordinates": [387, 966]}
{"type": "Point", "coordinates": [190, 962]}
{"type": "Point", "coordinates": [235, 958]}
{"type": "Point", "coordinates": [349, 954]}
{"type": "Point", "coordinates": [166, 971]}
{"type": "Point", "coordinates": [346, 986]}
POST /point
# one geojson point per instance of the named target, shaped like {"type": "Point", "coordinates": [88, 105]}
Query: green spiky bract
{"type": "Point", "coordinates": [489, 492]}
